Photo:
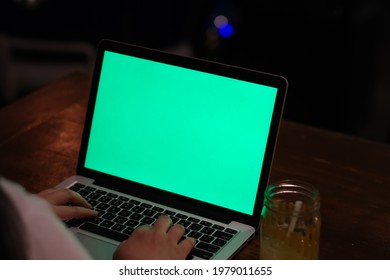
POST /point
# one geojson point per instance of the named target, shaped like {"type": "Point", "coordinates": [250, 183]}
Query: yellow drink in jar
{"type": "Point", "coordinates": [290, 222]}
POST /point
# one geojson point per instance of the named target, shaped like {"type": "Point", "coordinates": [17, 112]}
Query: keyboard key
{"type": "Point", "coordinates": [158, 214]}
{"type": "Point", "coordinates": [207, 224]}
{"type": "Point", "coordinates": [194, 234]}
{"type": "Point", "coordinates": [195, 227]}
{"type": "Point", "coordinates": [123, 198]}
{"type": "Point", "coordinates": [218, 227]}
{"type": "Point", "coordinates": [113, 209]}
{"type": "Point", "coordinates": [219, 242]}
{"type": "Point", "coordinates": [89, 188]}
{"type": "Point", "coordinates": [127, 206]}
{"type": "Point", "coordinates": [125, 213]}
{"type": "Point", "coordinates": [146, 205]}
{"type": "Point", "coordinates": [169, 212]}
{"type": "Point", "coordinates": [128, 230]}
{"type": "Point", "coordinates": [94, 196]}
{"type": "Point", "coordinates": [181, 216]}
{"type": "Point", "coordinates": [93, 202]}
{"type": "Point", "coordinates": [148, 220]}
{"type": "Point", "coordinates": [136, 202]}
{"type": "Point", "coordinates": [207, 238]}
{"type": "Point", "coordinates": [75, 188]}
{"type": "Point", "coordinates": [108, 216]}
{"type": "Point", "coordinates": [194, 220]}
{"type": "Point", "coordinates": [102, 206]}
{"type": "Point", "coordinates": [107, 224]}
{"type": "Point", "coordinates": [120, 220]}
{"type": "Point", "coordinates": [200, 253]}
{"type": "Point", "coordinates": [138, 209]}
{"type": "Point", "coordinates": [207, 230]}
{"type": "Point", "coordinates": [116, 202]}
{"type": "Point", "coordinates": [207, 247]}
{"type": "Point", "coordinates": [158, 209]}
{"type": "Point", "coordinates": [118, 227]}
{"type": "Point", "coordinates": [132, 223]}
{"type": "Point", "coordinates": [136, 216]}
{"type": "Point", "coordinates": [101, 192]}
{"type": "Point", "coordinates": [84, 193]}
{"type": "Point", "coordinates": [184, 223]}
{"type": "Point", "coordinates": [231, 231]}
{"type": "Point", "coordinates": [105, 199]}
{"type": "Point", "coordinates": [222, 235]}
{"type": "Point", "coordinates": [101, 213]}
{"type": "Point", "coordinates": [95, 220]}
{"type": "Point", "coordinates": [149, 213]}
{"type": "Point", "coordinates": [104, 232]}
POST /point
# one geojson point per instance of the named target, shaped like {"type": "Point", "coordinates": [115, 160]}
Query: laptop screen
{"type": "Point", "coordinates": [185, 131]}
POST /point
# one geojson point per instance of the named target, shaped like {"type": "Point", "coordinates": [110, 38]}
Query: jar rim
{"type": "Point", "coordinates": [290, 191]}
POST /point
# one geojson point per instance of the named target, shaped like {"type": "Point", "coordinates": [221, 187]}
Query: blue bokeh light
{"type": "Point", "coordinates": [225, 30]}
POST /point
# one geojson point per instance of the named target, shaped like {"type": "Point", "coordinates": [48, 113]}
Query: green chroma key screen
{"type": "Point", "coordinates": [188, 132]}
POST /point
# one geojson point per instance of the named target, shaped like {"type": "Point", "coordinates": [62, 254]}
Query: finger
{"type": "Point", "coordinates": [186, 246]}
{"type": "Point", "coordinates": [65, 196]}
{"type": "Point", "coordinates": [175, 233]}
{"type": "Point", "coordinates": [74, 212]}
{"type": "Point", "coordinates": [163, 223]}
{"type": "Point", "coordinates": [118, 252]}
{"type": "Point", "coordinates": [46, 192]}
{"type": "Point", "coordinates": [144, 227]}
{"type": "Point", "coordinates": [140, 231]}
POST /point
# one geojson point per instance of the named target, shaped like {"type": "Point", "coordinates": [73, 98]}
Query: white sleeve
{"type": "Point", "coordinates": [47, 238]}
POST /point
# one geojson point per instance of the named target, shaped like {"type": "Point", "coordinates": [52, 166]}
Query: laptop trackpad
{"type": "Point", "coordinates": [98, 249]}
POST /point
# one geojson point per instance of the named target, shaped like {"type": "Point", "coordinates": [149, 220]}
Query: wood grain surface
{"type": "Point", "coordinates": [40, 136]}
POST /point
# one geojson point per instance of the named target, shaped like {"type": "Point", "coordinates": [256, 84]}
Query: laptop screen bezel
{"type": "Point", "coordinates": [160, 196]}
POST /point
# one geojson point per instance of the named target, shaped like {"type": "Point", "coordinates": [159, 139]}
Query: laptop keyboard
{"type": "Point", "coordinates": [120, 215]}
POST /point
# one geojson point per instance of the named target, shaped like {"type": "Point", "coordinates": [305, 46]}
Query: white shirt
{"type": "Point", "coordinates": [47, 238]}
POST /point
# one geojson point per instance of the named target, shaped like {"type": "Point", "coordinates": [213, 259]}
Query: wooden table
{"type": "Point", "coordinates": [40, 136]}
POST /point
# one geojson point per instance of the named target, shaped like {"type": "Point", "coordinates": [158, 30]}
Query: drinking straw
{"type": "Point", "coordinates": [297, 209]}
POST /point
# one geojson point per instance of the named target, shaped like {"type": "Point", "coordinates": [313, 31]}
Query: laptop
{"type": "Point", "coordinates": [172, 135]}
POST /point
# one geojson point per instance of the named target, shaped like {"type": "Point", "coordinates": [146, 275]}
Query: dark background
{"type": "Point", "coordinates": [335, 54]}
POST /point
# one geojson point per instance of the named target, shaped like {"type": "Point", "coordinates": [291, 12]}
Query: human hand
{"type": "Point", "coordinates": [68, 204]}
{"type": "Point", "coordinates": [157, 242]}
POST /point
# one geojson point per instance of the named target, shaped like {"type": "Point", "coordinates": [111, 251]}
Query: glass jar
{"type": "Point", "coordinates": [290, 221]}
